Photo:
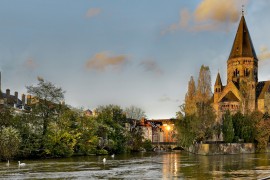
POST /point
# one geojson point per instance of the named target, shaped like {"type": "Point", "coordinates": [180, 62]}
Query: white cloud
{"type": "Point", "coordinates": [209, 15]}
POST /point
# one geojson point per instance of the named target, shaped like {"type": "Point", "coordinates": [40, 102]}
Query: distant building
{"type": "Point", "coordinates": [13, 101]}
{"type": "Point", "coordinates": [243, 92]}
{"type": "Point", "coordinates": [158, 130]}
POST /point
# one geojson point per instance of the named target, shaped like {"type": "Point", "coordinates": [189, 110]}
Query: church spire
{"type": "Point", "coordinates": [242, 45]}
{"type": "Point", "coordinates": [218, 80]}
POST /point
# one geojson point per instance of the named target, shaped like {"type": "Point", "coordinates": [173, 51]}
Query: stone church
{"type": "Point", "coordinates": [243, 91]}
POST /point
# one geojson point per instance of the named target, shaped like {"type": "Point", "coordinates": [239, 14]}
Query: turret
{"type": "Point", "coordinates": [217, 88]}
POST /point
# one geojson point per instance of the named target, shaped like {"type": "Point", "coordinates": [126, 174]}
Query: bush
{"type": "Point", "coordinates": [147, 145]}
{"type": "Point", "coordinates": [102, 152]}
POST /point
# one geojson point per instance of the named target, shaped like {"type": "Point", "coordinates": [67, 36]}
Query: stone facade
{"type": "Point", "coordinates": [243, 92]}
{"type": "Point", "coordinates": [222, 148]}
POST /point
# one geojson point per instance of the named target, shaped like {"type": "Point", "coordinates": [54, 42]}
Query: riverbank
{"type": "Point", "coordinates": [222, 148]}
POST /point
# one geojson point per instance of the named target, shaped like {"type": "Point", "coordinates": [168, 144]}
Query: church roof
{"type": "Point", "coordinates": [218, 81]}
{"type": "Point", "coordinates": [229, 97]}
{"type": "Point", "coordinates": [242, 45]}
{"type": "Point", "coordinates": [261, 88]}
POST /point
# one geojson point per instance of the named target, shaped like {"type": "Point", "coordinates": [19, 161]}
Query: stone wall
{"type": "Point", "coordinates": [222, 148]}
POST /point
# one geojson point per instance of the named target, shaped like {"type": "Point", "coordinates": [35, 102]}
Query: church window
{"type": "Point", "coordinates": [246, 72]}
{"type": "Point", "coordinates": [236, 73]}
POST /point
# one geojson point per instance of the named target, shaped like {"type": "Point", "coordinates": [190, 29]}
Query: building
{"type": "Point", "coordinates": [158, 130]}
{"type": "Point", "coordinates": [13, 101]}
{"type": "Point", "coordinates": [243, 91]}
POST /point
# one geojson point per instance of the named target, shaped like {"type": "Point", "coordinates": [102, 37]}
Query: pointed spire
{"type": "Point", "coordinates": [242, 45]}
{"type": "Point", "coordinates": [218, 80]}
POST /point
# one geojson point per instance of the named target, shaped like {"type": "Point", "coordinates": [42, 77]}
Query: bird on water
{"type": "Point", "coordinates": [104, 160]}
{"type": "Point", "coordinates": [21, 164]}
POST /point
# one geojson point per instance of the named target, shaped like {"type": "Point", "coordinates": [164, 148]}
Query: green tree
{"type": "Point", "coordinates": [228, 131]}
{"type": "Point", "coordinates": [31, 134]}
{"type": "Point", "coordinates": [111, 129]}
{"type": "Point", "coordinates": [186, 128]}
{"type": "Point", "coordinates": [48, 105]}
{"type": "Point", "coordinates": [9, 142]}
{"type": "Point", "coordinates": [6, 117]}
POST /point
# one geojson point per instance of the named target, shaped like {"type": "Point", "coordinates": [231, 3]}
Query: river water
{"type": "Point", "coordinates": [169, 165]}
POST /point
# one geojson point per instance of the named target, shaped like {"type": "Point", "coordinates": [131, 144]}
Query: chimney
{"type": "Point", "coordinates": [7, 93]}
{"type": "Point", "coordinates": [16, 97]}
{"type": "Point", "coordinates": [23, 99]}
{"type": "Point", "coordinates": [28, 99]}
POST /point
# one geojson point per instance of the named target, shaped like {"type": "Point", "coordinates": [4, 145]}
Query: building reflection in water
{"type": "Point", "coordinates": [171, 168]}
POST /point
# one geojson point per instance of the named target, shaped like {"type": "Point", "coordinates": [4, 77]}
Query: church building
{"type": "Point", "coordinates": [243, 91]}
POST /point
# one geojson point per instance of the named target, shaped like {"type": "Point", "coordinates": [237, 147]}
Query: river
{"type": "Point", "coordinates": [169, 165]}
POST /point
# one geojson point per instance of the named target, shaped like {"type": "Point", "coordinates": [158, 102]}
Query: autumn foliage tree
{"type": "Point", "coordinates": [197, 121]}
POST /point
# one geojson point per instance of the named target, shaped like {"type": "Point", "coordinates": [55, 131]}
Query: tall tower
{"type": "Point", "coordinates": [243, 61]}
{"type": "Point", "coordinates": [242, 65]}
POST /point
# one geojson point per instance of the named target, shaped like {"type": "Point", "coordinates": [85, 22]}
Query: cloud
{"type": "Point", "coordinates": [104, 60]}
{"type": "Point", "coordinates": [30, 63]}
{"type": "Point", "coordinates": [264, 53]}
{"type": "Point", "coordinates": [92, 12]}
{"type": "Point", "coordinates": [220, 11]}
{"type": "Point", "coordinates": [151, 66]}
{"type": "Point", "coordinates": [209, 15]}
{"type": "Point", "coordinates": [166, 98]}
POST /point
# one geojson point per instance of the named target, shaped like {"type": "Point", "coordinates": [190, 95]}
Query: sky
{"type": "Point", "coordinates": [125, 52]}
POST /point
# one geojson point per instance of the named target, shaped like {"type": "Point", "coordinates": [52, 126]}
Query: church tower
{"type": "Point", "coordinates": [242, 65]}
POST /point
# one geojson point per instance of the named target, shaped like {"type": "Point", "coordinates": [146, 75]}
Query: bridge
{"type": "Point", "coordinates": [166, 146]}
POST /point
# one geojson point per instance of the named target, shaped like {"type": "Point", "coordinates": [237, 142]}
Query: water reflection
{"type": "Point", "coordinates": [143, 166]}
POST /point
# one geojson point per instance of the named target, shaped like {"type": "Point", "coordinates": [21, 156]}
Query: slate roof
{"type": "Point", "coordinates": [261, 88]}
{"type": "Point", "coordinates": [218, 80]}
{"type": "Point", "coordinates": [242, 45]}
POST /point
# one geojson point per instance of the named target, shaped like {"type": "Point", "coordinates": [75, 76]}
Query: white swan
{"type": "Point", "coordinates": [112, 156]}
{"type": "Point", "coordinates": [21, 164]}
{"type": "Point", "coordinates": [104, 160]}
{"type": "Point", "coordinates": [7, 163]}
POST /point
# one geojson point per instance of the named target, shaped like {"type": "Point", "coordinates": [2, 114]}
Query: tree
{"type": "Point", "coordinates": [134, 112]}
{"type": "Point", "coordinates": [49, 98]}
{"type": "Point", "coordinates": [9, 142]}
{"type": "Point", "coordinates": [262, 134]}
{"type": "Point", "coordinates": [111, 129]}
{"type": "Point", "coordinates": [205, 111]}
{"type": "Point", "coordinates": [203, 92]}
{"type": "Point", "coordinates": [228, 131]}
{"type": "Point", "coordinates": [187, 128]}
{"type": "Point", "coordinates": [190, 98]}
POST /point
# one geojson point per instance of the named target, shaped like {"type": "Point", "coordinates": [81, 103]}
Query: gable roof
{"type": "Point", "coordinates": [242, 45]}
{"type": "Point", "coordinates": [261, 88]}
{"type": "Point", "coordinates": [229, 97]}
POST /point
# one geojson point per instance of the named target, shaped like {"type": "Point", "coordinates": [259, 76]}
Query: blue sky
{"type": "Point", "coordinates": [123, 52]}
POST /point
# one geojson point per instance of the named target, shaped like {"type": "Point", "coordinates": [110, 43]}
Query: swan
{"type": "Point", "coordinates": [7, 163]}
{"type": "Point", "coordinates": [104, 160]}
{"type": "Point", "coordinates": [21, 164]}
{"type": "Point", "coordinates": [112, 155]}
